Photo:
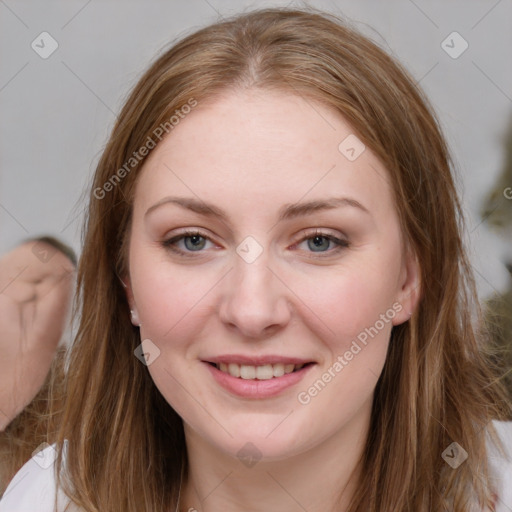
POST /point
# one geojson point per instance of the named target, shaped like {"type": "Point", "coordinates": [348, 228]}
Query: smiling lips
{"type": "Point", "coordinates": [257, 377]}
{"type": "Point", "coordinates": [262, 372]}
{"type": "Point", "coordinates": [261, 367]}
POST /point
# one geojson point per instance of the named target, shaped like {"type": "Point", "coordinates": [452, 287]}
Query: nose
{"type": "Point", "coordinates": [255, 301]}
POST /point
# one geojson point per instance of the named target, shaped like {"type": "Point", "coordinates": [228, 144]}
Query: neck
{"type": "Point", "coordinates": [321, 478]}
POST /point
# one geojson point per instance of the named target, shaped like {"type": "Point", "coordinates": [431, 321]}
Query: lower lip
{"type": "Point", "coordinates": [253, 388]}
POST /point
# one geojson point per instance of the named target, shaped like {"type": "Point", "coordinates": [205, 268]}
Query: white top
{"type": "Point", "coordinates": [33, 487]}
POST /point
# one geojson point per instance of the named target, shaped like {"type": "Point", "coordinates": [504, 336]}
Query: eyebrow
{"type": "Point", "coordinates": [288, 211]}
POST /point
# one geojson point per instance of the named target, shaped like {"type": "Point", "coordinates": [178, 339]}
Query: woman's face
{"type": "Point", "coordinates": [293, 257]}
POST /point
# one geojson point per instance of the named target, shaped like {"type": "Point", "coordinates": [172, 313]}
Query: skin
{"type": "Point", "coordinates": [36, 288]}
{"type": "Point", "coordinates": [250, 153]}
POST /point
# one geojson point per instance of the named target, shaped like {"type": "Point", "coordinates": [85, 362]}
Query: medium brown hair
{"type": "Point", "coordinates": [126, 448]}
{"type": "Point", "coordinates": [37, 424]}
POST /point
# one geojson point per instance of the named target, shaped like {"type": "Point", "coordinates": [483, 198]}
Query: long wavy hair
{"type": "Point", "coordinates": [125, 443]}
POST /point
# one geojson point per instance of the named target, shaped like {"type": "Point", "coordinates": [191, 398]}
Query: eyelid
{"type": "Point", "coordinates": [341, 242]}
{"type": "Point", "coordinates": [327, 233]}
{"type": "Point", "coordinates": [186, 233]}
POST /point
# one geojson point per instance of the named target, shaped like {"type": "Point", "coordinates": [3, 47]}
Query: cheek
{"type": "Point", "coordinates": [358, 309]}
{"type": "Point", "coordinates": [349, 301]}
{"type": "Point", "coordinates": [172, 301]}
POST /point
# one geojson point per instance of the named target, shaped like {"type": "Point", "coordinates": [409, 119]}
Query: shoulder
{"type": "Point", "coordinates": [34, 486]}
{"type": "Point", "coordinates": [501, 465]}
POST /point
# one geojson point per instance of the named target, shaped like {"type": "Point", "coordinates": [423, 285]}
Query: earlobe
{"type": "Point", "coordinates": [134, 315]}
{"type": "Point", "coordinates": [409, 292]}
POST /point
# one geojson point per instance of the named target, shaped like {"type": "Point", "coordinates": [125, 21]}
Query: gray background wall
{"type": "Point", "coordinates": [56, 112]}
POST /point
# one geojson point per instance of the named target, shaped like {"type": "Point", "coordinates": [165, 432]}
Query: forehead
{"type": "Point", "coordinates": [263, 148]}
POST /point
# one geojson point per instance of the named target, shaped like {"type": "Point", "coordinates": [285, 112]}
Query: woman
{"type": "Point", "coordinates": [276, 307]}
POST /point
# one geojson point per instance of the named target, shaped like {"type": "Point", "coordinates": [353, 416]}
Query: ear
{"type": "Point", "coordinates": [131, 302]}
{"type": "Point", "coordinates": [409, 290]}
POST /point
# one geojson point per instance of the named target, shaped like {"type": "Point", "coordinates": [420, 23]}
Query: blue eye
{"type": "Point", "coordinates": [323, 242]}
{"type": "Point", "coordinates": [319, 242]}
{"type": "Point", "coordinates": [197, 242]}
{"type": "Point", "coordinates": [193, 242]}
{"type": "Point", "coordinates": [190, 242]}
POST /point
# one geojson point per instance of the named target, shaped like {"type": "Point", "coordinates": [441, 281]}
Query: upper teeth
{"type": "Point", "coordinates": [264, 372]}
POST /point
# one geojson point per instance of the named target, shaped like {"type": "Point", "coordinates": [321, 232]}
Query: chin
{"type": "Point", "coordinates": [272, 440]}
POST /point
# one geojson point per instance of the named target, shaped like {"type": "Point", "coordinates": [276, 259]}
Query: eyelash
{"type": "Point", "coordinates": [340, 243]}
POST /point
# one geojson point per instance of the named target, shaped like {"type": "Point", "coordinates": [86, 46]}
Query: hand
{"type": "Point", "coordinates": [36, 287]}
